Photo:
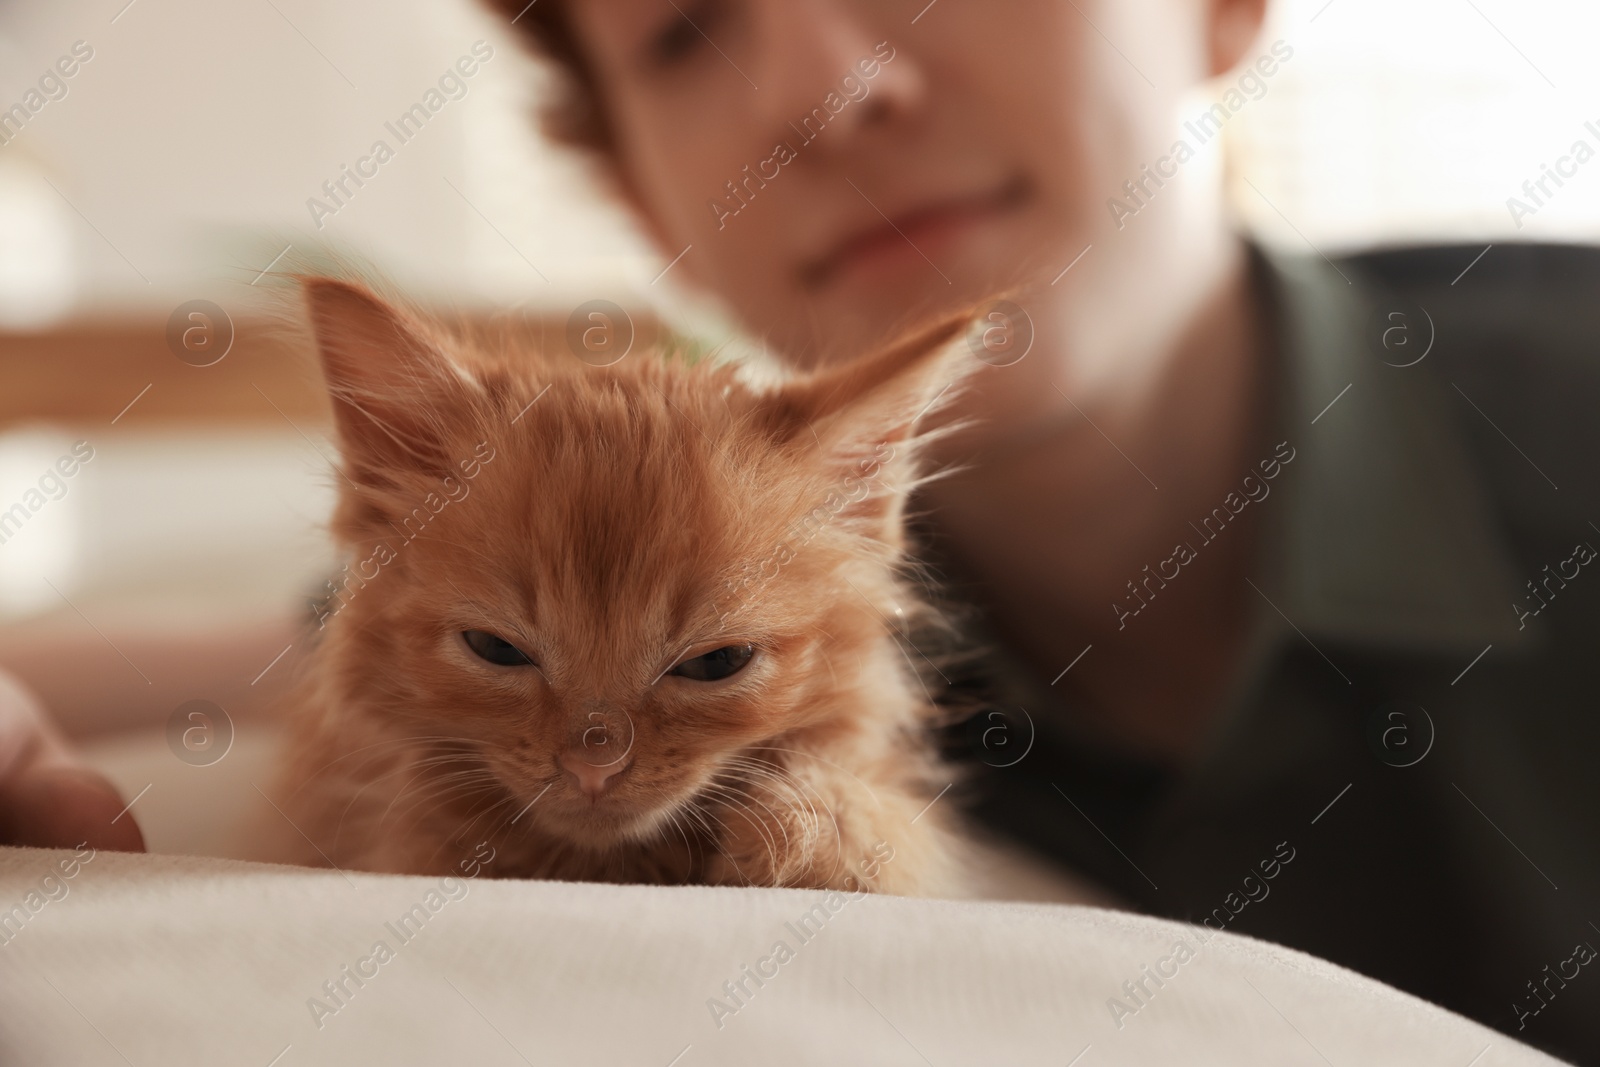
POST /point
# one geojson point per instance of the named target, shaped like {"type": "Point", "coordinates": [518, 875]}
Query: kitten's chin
{"type": "Point", "coordinates": [604, 826]}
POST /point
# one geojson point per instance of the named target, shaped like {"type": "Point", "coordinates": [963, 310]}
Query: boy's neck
{"type": "Point", "coordinates": [1066, 498]}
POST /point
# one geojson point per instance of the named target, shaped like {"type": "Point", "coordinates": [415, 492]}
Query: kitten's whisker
{"type": "Point", "coordinates": [767, 770]}
{"type": "Point", "coordinates": [527, 828]}
{"type": "Point", "coordinates": [450, 778]}
{"type": "Point", "coordinates": [802, 787]}
{"type": "Point", "coordinates": [447, 794]}
{"type": "Point", "coordinates": [692, 809]}
{"type": "Point", "coordinates": [737, 869]}
{"type": "Point", "coordinates": [794, 802]}
{"type": "Point", "coordinates": [436, 782]}
{"type": "Point", "coordinates": [426, 821]}
{"type": "Point", "coordinates": [730, 797]}
{"type": "Point", "coordinates": [752, 770]}
{"type": "Point", "coordinates": [676, 823]}
{"type": "Point", "coordinates": [505, 799]}
{"type": "Point", "coordinates": [311, 776]}
{"type": "Point", "coordinates": [468, 828]}
{"type": "Point", "coordinates": [737, 798]}
{"type": "Point", "coordinates": [403, 767]}
{"type": "Point", "coordinates": [338, 834]}
{"type": "Point", "coordinates": [784, 789]}
{"type": "Point", "coordinates": [703, 819]}
{"type": "Point", "coordinates": [821, 759]}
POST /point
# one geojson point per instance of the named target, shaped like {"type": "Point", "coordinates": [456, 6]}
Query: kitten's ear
{"type": "Point", "coordinates": [391, 384]}
{"type": "Point", "coordinates": [878, 398]}
{"type": "Point", "coordinates": [865, 413]}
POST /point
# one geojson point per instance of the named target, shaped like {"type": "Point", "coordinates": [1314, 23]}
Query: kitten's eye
{"type": "Point", "coordinates": [486, 646]}
{"type": "Point", "coordinates": [716, 665]}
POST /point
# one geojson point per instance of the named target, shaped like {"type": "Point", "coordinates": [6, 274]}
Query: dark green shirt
{"type": "Point", "coordinates": [1415, 718]}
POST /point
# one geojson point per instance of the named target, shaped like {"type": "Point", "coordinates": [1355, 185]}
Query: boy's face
{"type": "Point", "coordinates": [887, 157]}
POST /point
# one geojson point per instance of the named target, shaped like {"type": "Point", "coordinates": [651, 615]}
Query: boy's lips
{"type": "Point", "coordinates": [909, 229]}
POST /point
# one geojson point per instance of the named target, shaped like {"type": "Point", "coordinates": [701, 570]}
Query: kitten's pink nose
{"type": "Point", "coordinates": [592, 779]}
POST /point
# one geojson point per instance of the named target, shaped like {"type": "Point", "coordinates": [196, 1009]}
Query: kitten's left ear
{"type": "Point", "coordinates": [881, 395]}
{"type": "Point", "coordinates": [392, 385]}
{"type": "Point", "coordinates": [865, 412]}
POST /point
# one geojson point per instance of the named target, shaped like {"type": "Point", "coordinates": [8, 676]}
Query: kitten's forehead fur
{"type": "Point", "coordinates": [623, 493]}
{"type": "Point", "coordinates": [623, 510]}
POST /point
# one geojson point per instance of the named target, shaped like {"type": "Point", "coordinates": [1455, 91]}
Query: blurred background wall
{"type": "Point", "coordinates": [185, 151]}
{"type": "Point", "coordinates": [180, 161]}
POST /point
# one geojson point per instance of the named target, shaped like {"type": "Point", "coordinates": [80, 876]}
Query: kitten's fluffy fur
{"type": "Point", "coordinates": [611, 523]}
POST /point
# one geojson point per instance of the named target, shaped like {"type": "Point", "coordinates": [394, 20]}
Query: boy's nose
{"type": "Point", "coordinates": [592, 779]}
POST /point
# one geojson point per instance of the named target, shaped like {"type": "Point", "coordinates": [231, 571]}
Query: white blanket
{"type": "Point", "coordinates": [160, 960]}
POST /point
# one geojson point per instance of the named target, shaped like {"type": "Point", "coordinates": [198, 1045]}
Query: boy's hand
{"type": "Point", "coordinates": [47, 798]}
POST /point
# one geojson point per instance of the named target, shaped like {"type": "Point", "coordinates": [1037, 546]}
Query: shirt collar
{"type": "Point", "coordinates": [1386, 535]}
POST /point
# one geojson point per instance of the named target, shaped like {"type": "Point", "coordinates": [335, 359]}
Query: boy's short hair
{"type": "Point", "coordinates": [575, 115]}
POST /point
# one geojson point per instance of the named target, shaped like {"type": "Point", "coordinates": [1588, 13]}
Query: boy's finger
{"type": "Point", "coordinates": [63, 807]}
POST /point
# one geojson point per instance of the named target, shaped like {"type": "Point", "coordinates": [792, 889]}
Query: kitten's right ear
{"type": "Point", "coordinates": [391, 384]}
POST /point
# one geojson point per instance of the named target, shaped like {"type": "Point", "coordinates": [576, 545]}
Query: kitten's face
{"type": "Point", "coordinates": [577, 611]}
{"type": "Point", "coordinates": [602, 604]}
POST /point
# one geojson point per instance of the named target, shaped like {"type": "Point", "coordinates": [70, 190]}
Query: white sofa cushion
{"type": "Point", "coordinates": [180, 960]}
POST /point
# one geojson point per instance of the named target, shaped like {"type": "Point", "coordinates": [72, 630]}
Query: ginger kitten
{"type": "Point", "coordinates": [632, 623]}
